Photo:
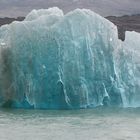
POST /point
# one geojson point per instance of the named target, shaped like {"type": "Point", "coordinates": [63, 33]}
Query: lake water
{"type": "Point", "coordinates": [92, 124]}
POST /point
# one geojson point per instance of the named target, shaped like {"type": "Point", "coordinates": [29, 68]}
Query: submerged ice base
{"type": "Point", "coordinates": [56, 61]}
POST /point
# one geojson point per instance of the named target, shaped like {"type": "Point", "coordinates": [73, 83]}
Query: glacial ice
{"type": "Point", "coordinates": [56, 61]}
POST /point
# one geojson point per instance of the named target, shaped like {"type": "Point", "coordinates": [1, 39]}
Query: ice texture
{"type": "Point", "coordinates": [56, 61]}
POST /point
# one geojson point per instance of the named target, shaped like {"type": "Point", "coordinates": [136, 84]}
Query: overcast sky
{"type": "Point", "coordinates": [14, 8]}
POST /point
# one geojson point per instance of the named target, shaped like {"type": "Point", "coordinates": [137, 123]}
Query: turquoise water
{"type": "Point", "coordinates": [92, 124]}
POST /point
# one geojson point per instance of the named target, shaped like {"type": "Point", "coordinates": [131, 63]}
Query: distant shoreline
{"type": "Point", "coordinates": [124, 23]}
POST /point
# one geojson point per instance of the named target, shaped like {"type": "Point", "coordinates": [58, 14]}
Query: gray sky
{"type": "Point", "coordinates": [14, 8]}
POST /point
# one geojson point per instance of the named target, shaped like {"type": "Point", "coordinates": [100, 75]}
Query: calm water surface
{"type": "Point", "coordinates": [92, 124]}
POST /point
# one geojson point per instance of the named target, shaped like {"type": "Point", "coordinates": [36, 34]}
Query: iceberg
{"type": "Point", "coordinates": [53, 60]}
